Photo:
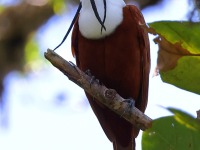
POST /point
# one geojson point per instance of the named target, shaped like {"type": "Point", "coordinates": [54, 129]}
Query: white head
{"type": "Point", "coordinates": [91, 3]}
{"type": "Point", "coordinates": [99, 18]}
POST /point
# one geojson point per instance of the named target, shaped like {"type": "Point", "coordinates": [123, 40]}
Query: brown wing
{"type": "Point", "coordinates": [145, 61]}
{"type": "Point", "coordinates": [74, 41]}
{"type": "Point", "coordinates": [83, 49]}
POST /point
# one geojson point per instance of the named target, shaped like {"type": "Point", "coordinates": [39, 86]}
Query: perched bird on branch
{"type": "Point", "coordinates": [108, 39]}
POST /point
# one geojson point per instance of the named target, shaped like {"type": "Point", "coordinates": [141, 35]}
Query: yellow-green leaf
{"type": "Point", "coordinates": [179, 53]}
{"type": "Point", "coordinates": [178, 132]}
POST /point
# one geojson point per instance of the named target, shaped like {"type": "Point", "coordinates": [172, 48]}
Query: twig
{"type": "Point", "coordinates": [108, 97]}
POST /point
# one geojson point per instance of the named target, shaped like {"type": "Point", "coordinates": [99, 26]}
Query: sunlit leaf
{"type": "Point", "coordinates": [1, 8]}
{"type": "Point", "coordinates": [34, 60]}
{"type": "Point", "coordinates": [179, 53]}
{"type": "Point", "coordinates": [172, 133]}
{"type": "Point", "coordinates": [58, 5]}
{"type": "Point", "coordinates": [31, 51]}
{"type": "Point", "coordinates": [185, 119]}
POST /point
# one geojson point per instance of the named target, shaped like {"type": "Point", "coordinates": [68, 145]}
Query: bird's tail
{"type": "Point", "coordinates": [118, 146]}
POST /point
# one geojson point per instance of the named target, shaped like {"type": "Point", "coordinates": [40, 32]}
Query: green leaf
{"type": "Point", "coordinates": [185, 33]}
{"type": "Point", "coordinates": [185, 75]}
{"type": "Point", "coordinates": [2, 8]}
{"type": "Point", "coordinates": [31, 51]}
{"type": "Point", "coordinates": [58, 6]}
{"type": "Point", "coordinates": [178, 132]}
{"type": "Point", "coordinates": [185, 119]}
{"type": "Point", "coordinates": [179, 53]}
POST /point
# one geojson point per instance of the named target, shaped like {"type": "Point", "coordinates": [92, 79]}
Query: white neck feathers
{"type": "Point", "coordinates": [88, 23]}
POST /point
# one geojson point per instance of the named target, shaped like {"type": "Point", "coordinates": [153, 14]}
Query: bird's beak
{"type": "Point", "coordinates": [97, 14]}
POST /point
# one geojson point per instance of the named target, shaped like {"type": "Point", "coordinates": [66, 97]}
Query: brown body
{"type": "Point", "coordinates": [120, 61]}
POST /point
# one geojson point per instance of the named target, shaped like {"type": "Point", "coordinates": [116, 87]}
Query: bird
{"type": "Point", "coordinates": [108, 40]}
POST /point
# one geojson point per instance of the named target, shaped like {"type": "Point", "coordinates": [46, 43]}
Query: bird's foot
{"type": "Point", "coordinates": [88, 72]}
{"type": "Point", "coordinates": [130, 102]}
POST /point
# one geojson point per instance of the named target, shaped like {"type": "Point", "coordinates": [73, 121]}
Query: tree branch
{"type": "Point", "coordinates": [108, 97]}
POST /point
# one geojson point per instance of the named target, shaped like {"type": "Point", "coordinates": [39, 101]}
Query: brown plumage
{"type": "Point", "coordinates": [120, 61]}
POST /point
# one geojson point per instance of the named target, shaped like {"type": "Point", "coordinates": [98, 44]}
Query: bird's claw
{"type": "Point", "coordinates": [88, 72]}
{"type": "Point", "coordinates": [130, 102]}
